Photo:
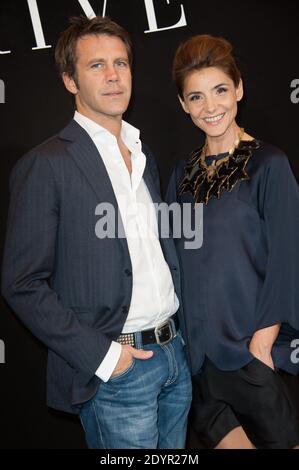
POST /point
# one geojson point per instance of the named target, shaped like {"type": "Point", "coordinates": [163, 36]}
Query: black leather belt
{"type": "Point", "coordinates": [162, 334]}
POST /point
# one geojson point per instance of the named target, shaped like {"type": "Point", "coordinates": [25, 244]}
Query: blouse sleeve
{"type": "Point", "coordinates": [279, 298]}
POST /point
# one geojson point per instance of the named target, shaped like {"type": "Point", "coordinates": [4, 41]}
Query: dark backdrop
{"type": "Point", "coordinates": [34, 106]}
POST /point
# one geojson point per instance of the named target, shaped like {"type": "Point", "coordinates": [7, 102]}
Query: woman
{"type": "Point", "coordinates": [241, 288]}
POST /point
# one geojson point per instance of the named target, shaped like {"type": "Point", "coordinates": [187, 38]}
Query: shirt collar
{"type": "Point", "coordinates": [130, 134]}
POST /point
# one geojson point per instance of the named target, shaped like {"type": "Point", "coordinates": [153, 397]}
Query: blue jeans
{"type": "Point", "coordinates": [146, 406]}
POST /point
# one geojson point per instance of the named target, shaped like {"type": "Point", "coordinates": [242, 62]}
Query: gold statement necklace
{"type": "Point", "coordinates": [205, 181]}
{"type": "Point", "coordinates": [212, 168]}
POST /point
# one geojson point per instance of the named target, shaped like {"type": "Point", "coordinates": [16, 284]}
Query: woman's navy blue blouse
{"type": "Point", "coordinates": [245, 276]}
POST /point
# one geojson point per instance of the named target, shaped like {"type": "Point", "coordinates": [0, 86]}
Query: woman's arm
{"type": "Point", "coordinates": [261, 344]}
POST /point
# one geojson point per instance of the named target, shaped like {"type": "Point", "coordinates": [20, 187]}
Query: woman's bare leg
{"type": "Point", "coordinates": [235, 439]}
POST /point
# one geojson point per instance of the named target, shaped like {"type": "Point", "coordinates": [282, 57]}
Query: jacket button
{"type": "Point", "coordinates": [128, 272]}
{"type": "Point", "coordinates": [125, 309]}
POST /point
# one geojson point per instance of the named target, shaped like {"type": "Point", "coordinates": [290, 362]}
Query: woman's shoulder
{"type": "Point", "coordinates": [179, 168]}
{"type": "Point", "coordinates": [269, 153]}
{"type": "Point", "coordinates": [177, 175]}
{"type": "Point", "coordinates": [268, 157]}
{"type": "Point", "coordinates": [186, 163]}
{"type": "Point", "coordinates": [265, 154]}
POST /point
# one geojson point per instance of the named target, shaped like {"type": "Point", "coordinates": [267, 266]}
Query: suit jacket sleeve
{"type": "Point", "coordinates": [29, 259]}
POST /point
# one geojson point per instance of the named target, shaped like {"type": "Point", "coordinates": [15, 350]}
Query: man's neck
{"type": "Point", "coordinates": [112, 124]}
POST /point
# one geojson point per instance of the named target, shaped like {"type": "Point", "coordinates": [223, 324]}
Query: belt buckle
{"type": "Point", "coordinates": [159, 328]}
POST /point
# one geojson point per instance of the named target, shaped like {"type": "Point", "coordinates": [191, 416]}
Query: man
{"type": "Point", "coordinates": [105, 307]}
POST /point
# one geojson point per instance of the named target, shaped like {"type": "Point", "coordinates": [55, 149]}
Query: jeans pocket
{"type": "Point", "coordinates": [124, 373]}
{"type": "Point", "coordinates": [179, 334]}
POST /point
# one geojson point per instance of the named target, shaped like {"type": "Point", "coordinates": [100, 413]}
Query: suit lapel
{"type": "Point", "coordinates": [155, 195]}
{"type": "Point", "coordinates": [148, 179]}
{"type": "Point", "coordinates": [87, 158]}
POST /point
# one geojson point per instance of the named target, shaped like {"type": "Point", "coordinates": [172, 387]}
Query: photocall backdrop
{"type": "Point", "coordinates": [34, 106]}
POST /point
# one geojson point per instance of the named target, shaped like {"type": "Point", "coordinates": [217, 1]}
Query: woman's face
{"type": "Point", "coordinates": [210, 97]}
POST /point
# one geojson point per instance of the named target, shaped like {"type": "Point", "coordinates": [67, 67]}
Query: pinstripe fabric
{"type": "Point", "coordinates": [71, 289]}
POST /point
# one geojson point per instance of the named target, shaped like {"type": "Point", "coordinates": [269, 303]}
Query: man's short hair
{"type": "Point", "coordinates": [80, 26]}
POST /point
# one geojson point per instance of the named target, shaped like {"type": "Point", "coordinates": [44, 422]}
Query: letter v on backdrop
{"type": "Point", "coordinates": [89, 12]}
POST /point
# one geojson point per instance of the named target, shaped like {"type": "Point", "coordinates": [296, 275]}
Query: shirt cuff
{"type": "Point", "coordinates": [109, 362]}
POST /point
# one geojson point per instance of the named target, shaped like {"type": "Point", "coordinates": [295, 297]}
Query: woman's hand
{"type": "Point", "coordinates": [261, 353]}
{"type": "Point", "coordinates": [261, 344]}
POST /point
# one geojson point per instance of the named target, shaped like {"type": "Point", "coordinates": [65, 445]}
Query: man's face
{"type": "Point", "coordinates": [104, 81]}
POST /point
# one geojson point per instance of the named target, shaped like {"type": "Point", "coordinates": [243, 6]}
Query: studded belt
{"type": "Point", "coordinates": [161, 334]}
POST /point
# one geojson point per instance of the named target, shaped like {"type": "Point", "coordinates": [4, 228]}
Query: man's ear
{"type": "Point", "coordinates": [69, 83]}
{"type": "Point", "coordinates": [183, 104]}
{"type": "Point", "coordinates": [240, 90]}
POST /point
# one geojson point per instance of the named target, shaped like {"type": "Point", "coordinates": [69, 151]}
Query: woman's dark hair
{"type": "Point", "coordinates": [203, 51]}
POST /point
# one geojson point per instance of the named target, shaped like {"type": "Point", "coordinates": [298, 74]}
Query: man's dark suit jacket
{"type": "Point", "coordinates": [70, 288]}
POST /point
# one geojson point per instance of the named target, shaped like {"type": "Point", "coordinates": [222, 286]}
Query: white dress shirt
{"type": "Point", "coordinates": [153, 296]}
